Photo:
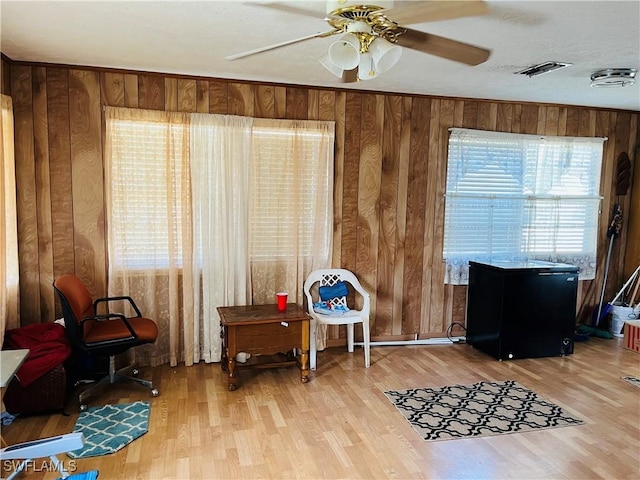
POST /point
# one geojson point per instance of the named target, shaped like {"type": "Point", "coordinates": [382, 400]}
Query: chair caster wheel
{"type": "Point", "coordinates": [135, 372]}
{"type": "Point", "coordinates": [83, 407]}
{"type": "Point", "coordinates": [155, 392]}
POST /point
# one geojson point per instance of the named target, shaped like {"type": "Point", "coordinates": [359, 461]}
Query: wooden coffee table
{"type": "Point", "coordinates": [270, 336]}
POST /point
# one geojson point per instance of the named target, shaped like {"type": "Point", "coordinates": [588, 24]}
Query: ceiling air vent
{"type": "Point", "coordinates": [545, 67]}
{"type": "Point", "coordinates": [613, 77]}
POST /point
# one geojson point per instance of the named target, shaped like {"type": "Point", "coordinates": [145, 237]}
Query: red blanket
{"type": "Point", "coordinates": [48, 347]}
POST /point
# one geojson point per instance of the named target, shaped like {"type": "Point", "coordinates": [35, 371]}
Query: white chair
{"type": "Point", "coordinates": [331, 278]}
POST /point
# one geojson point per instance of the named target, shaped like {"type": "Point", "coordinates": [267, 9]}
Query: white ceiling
{"type": "Point", "coordinates": [193, 38]}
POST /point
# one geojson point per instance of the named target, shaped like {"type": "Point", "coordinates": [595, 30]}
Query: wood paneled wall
{"type": "Point", "coordinates": [390, 167]}
{"type": "Point", "coordinates": [632, 255]}
{"type": "Point", "coordinates": [5, 76]}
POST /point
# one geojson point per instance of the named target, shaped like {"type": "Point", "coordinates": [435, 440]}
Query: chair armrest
{"type": "Point", "coordinates": [107, 317]}
{"type": "Point", "coordinates": [366, 300]}
{"type": "Point", "coordinates": [114, 299]}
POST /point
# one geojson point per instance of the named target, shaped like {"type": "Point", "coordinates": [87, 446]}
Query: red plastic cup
{"type": "Point", "coordinates": [282, 301]}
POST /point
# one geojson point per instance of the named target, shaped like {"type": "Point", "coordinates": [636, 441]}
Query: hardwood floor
{"type": "Point", "coordinates": [340, 424]}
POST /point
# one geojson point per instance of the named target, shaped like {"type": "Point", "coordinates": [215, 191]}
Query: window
{"type": "Point", "coordinates": [148, 183]}
{"type": "Point", "coordinates": [521, 197]}
{"type": "Point", "coordinates": [146, 174]}
{"type": "Point", "coordinates": [279, 182]}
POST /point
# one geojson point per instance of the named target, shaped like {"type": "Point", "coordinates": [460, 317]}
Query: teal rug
{"type": "Point", "coordinates": [92, 475]}
{"type": "Point", "coordinates": [109, 428]}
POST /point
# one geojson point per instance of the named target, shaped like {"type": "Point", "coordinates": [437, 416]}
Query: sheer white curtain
{"type": "Point", "coordinates": [220, 174]}
{"type": "Point", "coordinates": [209, 210]}
{"type": "Point", "coordinates": [149, 224]}
{"type": "Point", "coordinates": [9, 293]}
{"type": "Point", "coordinates": [292, 205]}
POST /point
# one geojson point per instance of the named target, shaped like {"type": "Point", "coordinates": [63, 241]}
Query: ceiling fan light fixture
{"type": "Point", "coordinates": [366, 67]}
{"type": "Point", "coordinates": [345, 52]}
{"type": "Point", "coordinates": [374, 36]}
{"type": "Point", "coordinates": [336, 7]}
{"type": "Point", "coordinates": [385, 54]}
{"type": "Point", "coordinates": [358, 27]}
{"type": "Point", "coordinates": [613, 77]}
{"type": "Point", "coordinates": [326, 62]}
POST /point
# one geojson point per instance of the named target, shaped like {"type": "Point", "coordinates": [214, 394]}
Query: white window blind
{"type": "Point", "coordinates": [518, 197]}
{"type": "Point", "coordinates": [146, 181]}
{"type": "Point", "coordinates": [291, 192]}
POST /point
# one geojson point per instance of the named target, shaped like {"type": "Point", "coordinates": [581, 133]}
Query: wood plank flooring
{"type": "Point", "coordinates": [340, 424]}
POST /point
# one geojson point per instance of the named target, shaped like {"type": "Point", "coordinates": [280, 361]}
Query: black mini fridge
{"type": "Point", "coordinates": [522, 309]}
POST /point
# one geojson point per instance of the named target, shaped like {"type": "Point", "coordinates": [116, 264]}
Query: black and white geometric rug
{"type": "Point", "coordinates": [481, 409]}
{"type": "Point", "coordinates": [632, 380]}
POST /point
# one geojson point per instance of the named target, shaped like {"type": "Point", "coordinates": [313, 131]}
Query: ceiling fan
{"type": "Point", "coordinates": [373, 35]}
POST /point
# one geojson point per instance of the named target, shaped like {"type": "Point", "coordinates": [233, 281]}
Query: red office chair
{"type": "Point", "coordinates": [102, 335]}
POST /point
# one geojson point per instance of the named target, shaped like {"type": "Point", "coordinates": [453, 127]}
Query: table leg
{"type": "Point", "coordinates": [223, 362]}
{"type": "Point", "coordinates": [231, 374]}
{"type": "Point", "coordinates": [229, 358]}
{"type": "Point", "coordinates": [304, 366]}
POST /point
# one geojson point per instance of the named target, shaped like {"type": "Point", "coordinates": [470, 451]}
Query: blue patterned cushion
{"type": "Point", "coordinates": [329, 292]}
{"type": "Point", "coordinates": [326, 308]}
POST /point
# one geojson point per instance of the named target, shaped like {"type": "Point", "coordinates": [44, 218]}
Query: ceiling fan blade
{"type": "Point", "coordinates": [281, 44]}
{"type": "Point", "coordinates": [433, 11]}
{"type": "Point", "coordinates": [443, 47]}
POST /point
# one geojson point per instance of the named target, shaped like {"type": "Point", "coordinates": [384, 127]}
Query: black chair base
{"type": "Point", "coordinates": [115, 376]}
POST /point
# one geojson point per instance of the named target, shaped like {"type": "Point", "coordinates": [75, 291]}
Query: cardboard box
{"type": "Point", "coordinates": [632, 335]}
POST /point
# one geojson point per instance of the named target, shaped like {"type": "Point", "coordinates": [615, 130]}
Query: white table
{"type": "Point", "coordinates": [10, 362]}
